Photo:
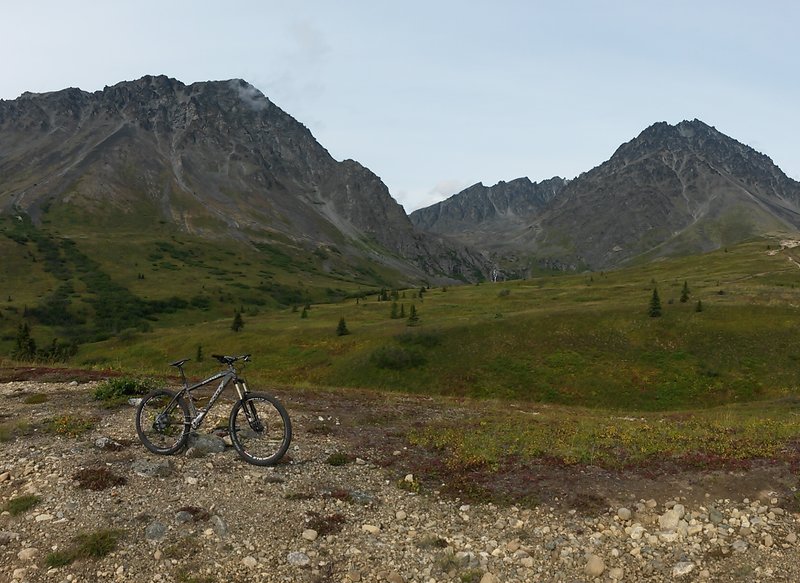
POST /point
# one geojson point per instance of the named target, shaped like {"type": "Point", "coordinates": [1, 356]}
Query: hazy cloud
{"type": "Point", "coordinates": [447, 188]}
{"type": "Point", "coordinates": [251, 96]}
{"type": "Point", "coordinates": [300, 79]}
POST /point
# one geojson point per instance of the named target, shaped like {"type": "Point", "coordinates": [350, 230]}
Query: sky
{"type": "Point", "coordinates": [434, 96]}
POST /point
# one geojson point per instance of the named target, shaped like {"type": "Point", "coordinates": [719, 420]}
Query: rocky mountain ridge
{"type": "Point", "coordinates": [217, 159]}
{"type": "Point", "coordinates": [674, 189]}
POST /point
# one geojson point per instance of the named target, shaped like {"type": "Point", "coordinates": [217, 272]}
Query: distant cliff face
{"type": "Point", "coordinates": [217, 159]}
{"type": "Point", "coordinates": [674, 189]}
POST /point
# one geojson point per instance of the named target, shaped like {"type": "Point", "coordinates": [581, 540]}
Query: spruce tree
{"type": "Point", "coordinates": [304, 313]}
{"type": "Point", "coordinates": [238, 323]}
{"type": "Point", "coordinates": [402, 311]}
{"type": "Point", "coordinates": [24, 345]}
{"type": "Point", "coordinates": [413, 318]}
{"type": "Point", "coordinates": [655, 305]}
{"type": "Point", "coordinates": [685, 292]}
{"type": "Point", "coordinates": [199, 356]}
{"type": "Point", "coordinates": [341, 329]}
{"type": "Point", "coordinates": [699, 306]}
{"type": "Point", "coordinates": [394, 313]}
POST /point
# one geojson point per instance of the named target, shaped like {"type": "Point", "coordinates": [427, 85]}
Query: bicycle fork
{"type": "Point", "coordinates": [248, 407]}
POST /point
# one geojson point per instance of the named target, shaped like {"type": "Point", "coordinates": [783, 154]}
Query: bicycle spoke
{"type": "Point", "coordinates": [260, 429]}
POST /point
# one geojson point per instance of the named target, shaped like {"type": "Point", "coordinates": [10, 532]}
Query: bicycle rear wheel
{"type": "Point", "coordinates": [260, 429]}
{"type": "Point", "coordinates": [162, 422]}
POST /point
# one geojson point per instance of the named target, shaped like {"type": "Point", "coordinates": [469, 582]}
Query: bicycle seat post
{"type": "Point", "coordinates": [183, 375]}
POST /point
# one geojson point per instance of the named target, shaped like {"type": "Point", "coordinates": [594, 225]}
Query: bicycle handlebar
{"type": "Point", "coordinates": [231, 359]}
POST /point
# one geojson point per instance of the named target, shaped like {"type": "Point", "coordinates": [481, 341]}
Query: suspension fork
{"type": "Point", "coordinates": [248, 406]}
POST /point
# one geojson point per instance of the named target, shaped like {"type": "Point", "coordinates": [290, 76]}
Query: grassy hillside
{"type": "Point", "coordinates": [94, 285]}
{"type": "Point", "coordinates": [575, 340]}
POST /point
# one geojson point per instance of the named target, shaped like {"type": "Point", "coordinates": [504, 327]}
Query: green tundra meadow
{"type": "Point", "coordinates": [552, 363]}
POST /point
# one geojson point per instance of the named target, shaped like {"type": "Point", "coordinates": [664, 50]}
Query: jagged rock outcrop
{"type": "Point", "coordinates": [674, 189]}
{"type": "Point", "coordinates": [217, 159]}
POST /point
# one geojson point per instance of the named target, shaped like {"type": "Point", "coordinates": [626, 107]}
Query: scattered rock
{"type": "Point", "coordinates": [28, 554]}
{"type": "Point", "coordinates": [298, 559]}
{"type": "Point", "coordinates": [371, 528]}
{"type": "Point", "coordinates": [155, 531]}
{"type": "Point", "coordinates": [7, 536]}
{"type": "Point", "coordinates": [594, 566]}
{"type": "Point", "coordinates": [152, 468]}
{"type": "Point", "coordinates": [107, 443]}
{"type": "Point", "coordinates": [249, 562]}
{"type": "Point", "coordinates": [617, 573]}
{"type": "Point", "coordinates": [5, 476]}
{"type": "Point", "coordinates": [310, 534]}
{"type": "Point", "coordinates": [219, 526]}
{"type": "Point", "coordinates": [201, 445]}
{"type": "Point", "coordinates": [682, 568]}
{"type": "Point", "coordinates": [624, 514]}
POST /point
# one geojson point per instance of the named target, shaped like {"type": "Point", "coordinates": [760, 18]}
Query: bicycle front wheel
{"type": "Point", "coordinates": [162, 422]}
{"type": "Point", "coordinates": [260, 429]}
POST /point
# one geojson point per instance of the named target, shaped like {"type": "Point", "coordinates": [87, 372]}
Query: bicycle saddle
{"type": "Point", "coordinates": [180, 362]}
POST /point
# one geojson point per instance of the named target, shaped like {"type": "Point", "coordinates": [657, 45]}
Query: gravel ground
{"type": "Point", "coordinates": [215, 518]}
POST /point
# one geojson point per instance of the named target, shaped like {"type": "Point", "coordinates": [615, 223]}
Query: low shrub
{"type": "Point", "coordinates": [20, 504]}
{"type": "Point", "coordinates": [396, 358]}
{"type": "Point", "coordinates": [118, 390]}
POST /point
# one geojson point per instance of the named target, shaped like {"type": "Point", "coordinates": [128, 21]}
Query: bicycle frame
{"type": "Point", "coordinates": [225, 377]}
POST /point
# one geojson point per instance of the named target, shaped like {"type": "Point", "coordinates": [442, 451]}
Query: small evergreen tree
{"type": "Point", "coordinates": [394, 313]}
{"type": "Point", "coordinates": [685, 293]}
{"type": "Point", "coordinates": [199, 355]}
{"type": "Point", "coordinates": [413, 317]}
{"type": "Point", "coordinates": [24, 344]}
{"type": "Point", "coordinates": [699, 306]}
{"type": "Point", "coordinates": [655, 305]}
{"type": "Point", "coordinates": [402, 311]}
{"type": "Point", "coordinates": [341, 329]}
{"type": "Point", "coordinates": [304, 313]}
{"type": "Point", "coordinates": [238, 323]}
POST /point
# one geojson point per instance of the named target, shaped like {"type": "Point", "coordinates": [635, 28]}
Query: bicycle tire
{"type": "Point", "coordinates": [173, 433]}
{"type": "Point", "coordinates": [264, 445]}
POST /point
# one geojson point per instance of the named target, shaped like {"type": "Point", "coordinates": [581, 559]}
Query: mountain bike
{"type": "Point", "coordinates": [259, 426]}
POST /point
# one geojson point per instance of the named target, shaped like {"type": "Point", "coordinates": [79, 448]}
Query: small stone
{"type": "Point", "coordinates": [624, 514]}
{"type": "Point", "coordinates": [155, 530]}
{"type": "Point", "coordinates": [19, 574]}
{"type": "Point", "coordinates": [191, 480]}
{"type": "Point", "coordinates": [157, 555]}
{"type": "Point", "coordinates": [395, 577]}
{"type": "Point", "coordinates": [298, 559]}
{"type": "Point", "coordinates": [594, 566]}
{"type": "Point", "coordinates": [768, 542]}
{"type": "Point", "coordinates": [409, 478]}
{"type": "Point", "coordinates": [250, 562]}
{"type": "Point", "coordinates": [682, 568]}
{"type": "Point", "coordinates": [219, 525]}
{"type": "Point", "coordinates": [791, 538]}
{"type": "Point", "coordinates": [5, 476]}
{"type": "Point", "coordinates": [617, 573]}
{"type": "Point", "coordinates": [310, 534]}
{"type": "Point", "coordinates": [637, 530]}
{"type": "Point", "coordinates": [715, 516]}
{"type": "Point", "coordinates": [152, 469]}
{"type": "Point", "coordinates": [44, 517]}
{"type": "Point", "coordinates": [182, 517]}
{"type": "Point", "coordinates": [354, 576]}
{"type": "Point", "coordinates": [200, 445]}
{"type": "Point", "coordinates": [7, 536]}
{"type": "Point", "coordinates": [401, 515]}
{"type": "Point", "coordinates": [739, 546]}
{"type": "Point", "coordinates": [27, 554]}
{"type": "Point", "coordinates": [651, 503]}
{"type": "Point", "coordinates": [489, 578]}
{"type": "Point", "coordinates": [370, 528]}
